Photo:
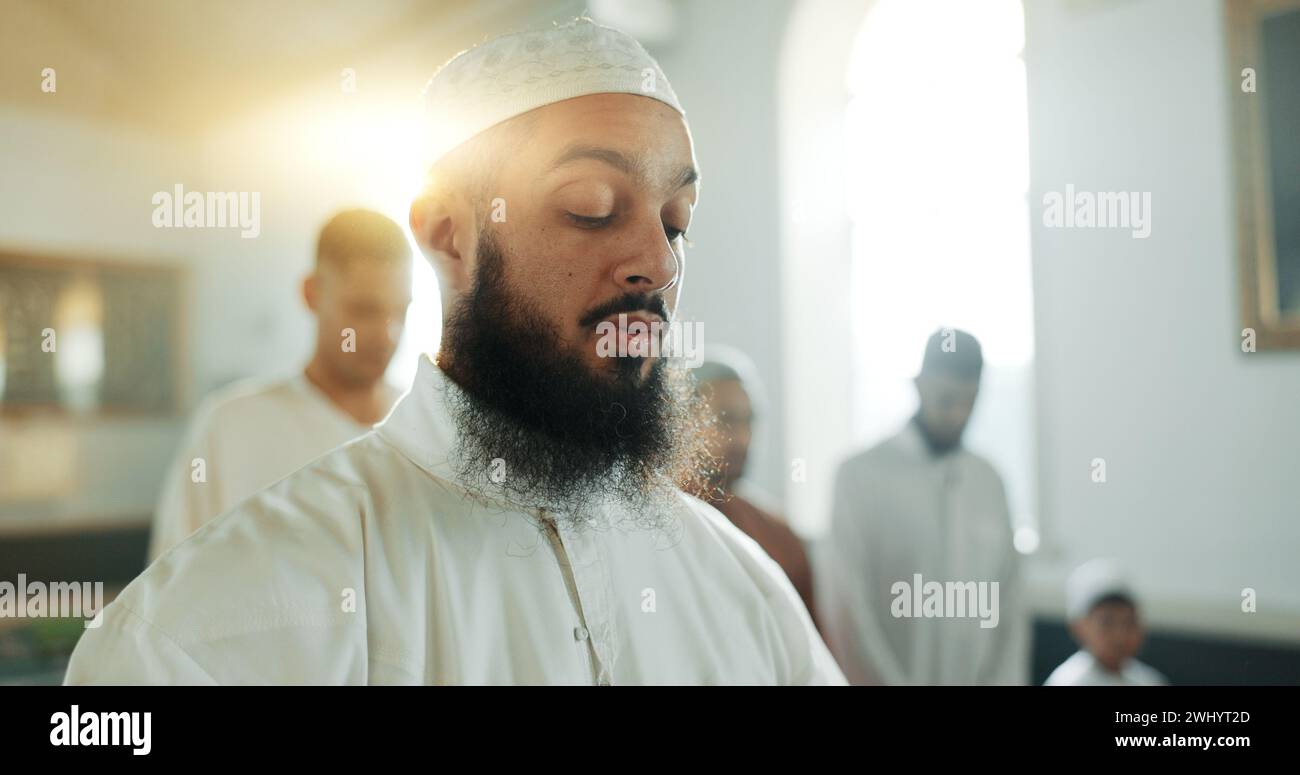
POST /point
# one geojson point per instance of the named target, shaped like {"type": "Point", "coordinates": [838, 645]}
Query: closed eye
{"type": "Point", "coordinates": [590, 222]}
{"type": "Point", "coordinates": [595, 222]}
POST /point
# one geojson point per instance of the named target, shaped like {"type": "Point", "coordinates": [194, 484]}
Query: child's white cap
{"type": "Point", "coordinates": [1091, 582]}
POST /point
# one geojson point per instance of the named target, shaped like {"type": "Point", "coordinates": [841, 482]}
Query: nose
{"type": "Point", "coordinates": [650, 264]}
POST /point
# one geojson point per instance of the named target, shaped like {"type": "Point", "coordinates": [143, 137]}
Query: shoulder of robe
{"type": "Point", "coordinates": [716, 527]}
{"type": "Point", "coordinates": [983, 466]}
{"type": "Point", "coordinates": [803, 656]}
{"type": "Point", "coordinates": [229, 404]}
{"type": "Point", "coordinates": [1148, 675]}
{"type": "Point", "coordinates": [860, 481]}
{"type": "Point", "coordinates": [872, 464]}
{"type": "Point", "coordinates": [1070, 672]}
{"type": "Point", "coordinates": [239, 394]}
{"type": "Point", "coordinates": [282, 558]}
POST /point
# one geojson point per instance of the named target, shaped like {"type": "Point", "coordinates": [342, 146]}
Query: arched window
{"type": "Point", "coordinates": [938, 167]}
{"type": "Point", "coordinates": [928, 162]}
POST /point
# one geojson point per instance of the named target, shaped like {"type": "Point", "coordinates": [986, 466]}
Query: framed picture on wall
{"type": "Point", "coordinates": [1264, 98]}
{"type": "Point", "coordinates": [88, 337]}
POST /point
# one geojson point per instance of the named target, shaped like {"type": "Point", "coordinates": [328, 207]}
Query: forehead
{"type": "Point", "coordinates": [1109, 609]}
{"type": "Point", "coordinates": [639, 136]}
{"type": "Point", "coordinates": [950, 384]}
{"type": "Point", "coordinates": [364, 274]}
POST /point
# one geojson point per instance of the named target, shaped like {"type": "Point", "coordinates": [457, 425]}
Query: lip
{"type": "Point", "coordinates": [636, 317]}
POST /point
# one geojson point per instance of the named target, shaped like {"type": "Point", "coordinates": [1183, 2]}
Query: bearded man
{"type": "Point", "coordinates": [515, 519]}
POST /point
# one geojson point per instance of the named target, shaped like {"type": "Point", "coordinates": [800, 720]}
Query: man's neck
{"type": "Point", "coordinates": [367, 404]}
{"type": "Point", "coordinates": [934, 446]}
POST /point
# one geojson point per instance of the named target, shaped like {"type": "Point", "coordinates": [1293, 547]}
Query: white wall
{"type": "Point", "coordinates": [75, 189]}
{"type": "Point", "coordinates": [1139, 341]}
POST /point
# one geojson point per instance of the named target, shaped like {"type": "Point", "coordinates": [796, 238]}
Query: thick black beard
{"type": "Point", "coordinates": [569, 438]}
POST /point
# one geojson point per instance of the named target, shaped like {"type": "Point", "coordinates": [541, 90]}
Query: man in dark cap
{"type": "Point", "coordinates": [918, 582]}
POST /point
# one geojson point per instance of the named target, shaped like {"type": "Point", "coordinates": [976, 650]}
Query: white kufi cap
{"type": "Point", "coordinates": [1092, 582]}
{"type": "Point", "coordinates": [522, 71]}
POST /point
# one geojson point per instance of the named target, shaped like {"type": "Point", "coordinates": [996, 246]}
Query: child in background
{"type": "Point", "coordinates": [1103, 615]}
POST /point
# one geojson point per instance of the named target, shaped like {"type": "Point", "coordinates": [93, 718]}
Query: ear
{"type": "Point", "coordinates": [1076, 630]}
{"type": "Point", "coordinates": [311, 290]}
{"type": "Point", "coordinates": [443, 225]}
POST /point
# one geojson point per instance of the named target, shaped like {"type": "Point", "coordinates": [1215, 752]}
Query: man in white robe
{"type": "Point", "coordinates": [918, 582]}
{"type": "Point", "coordinates": [254, 433]}
{"type": "Point", "coordinates": [515, 519]}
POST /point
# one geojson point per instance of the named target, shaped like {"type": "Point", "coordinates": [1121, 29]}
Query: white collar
{"type": "Point", "coordinates": [915, 446]}
{"type": "Point", "coordinates": [421, 426]}
{"type": "Point", "coordinates": [312, 392]}
{"type": "Point", "coordinates": [913, 443]}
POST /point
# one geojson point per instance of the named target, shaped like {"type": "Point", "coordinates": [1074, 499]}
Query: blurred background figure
{"type": "Point", "coordinates": [728, 384]}
{"type": "Point", "coordinates": [252, 434]}
{"type": "Point", "coordinates": [1105, 621]}
{"type": "Point", "coordinates": [915, 510]}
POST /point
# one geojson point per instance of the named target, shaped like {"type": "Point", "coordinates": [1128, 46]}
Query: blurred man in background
{"type": "Point", "coordinates": [252, 434]}
{"type": "Point", "coordinates": [918, 516]}
{"type": "Point", "coordinates": [728, 384]}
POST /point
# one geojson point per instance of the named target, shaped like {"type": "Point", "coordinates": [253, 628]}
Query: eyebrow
{"type": "Point", "coordinates": [633, 167]}
{"type": "Point", "coordinates": [687, 176]}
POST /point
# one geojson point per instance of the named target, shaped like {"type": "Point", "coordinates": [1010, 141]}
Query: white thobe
{"type": "Point", "coordinates": [373, 564]}
{"type": "Point", "coordinates": [242, 439]}
{"type": "Point", "coordinates": [1083, 669]}
{"type": "Point", "coordinates": [899, 512]}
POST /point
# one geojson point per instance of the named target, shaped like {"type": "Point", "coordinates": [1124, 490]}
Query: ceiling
{"type": "Point", "coordinates": [180, 66]}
